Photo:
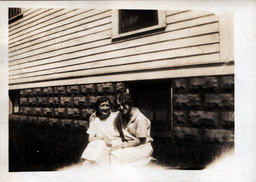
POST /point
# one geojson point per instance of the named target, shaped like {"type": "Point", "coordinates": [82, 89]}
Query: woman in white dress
{"type": "Point", "coordinates": [103, 133]}
{"type": "Point", "coordinates": [137, 149]}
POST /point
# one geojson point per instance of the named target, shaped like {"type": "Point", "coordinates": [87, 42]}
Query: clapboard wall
{"type": "Point", "coordinates": [54, 47]}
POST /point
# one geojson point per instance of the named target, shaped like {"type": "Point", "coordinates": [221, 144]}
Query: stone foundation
{"type": "Point", "coordinates": [64, 105]}
{"type": "Point", "coordinates": [204, 109]}
{"type": "Point", "coordinates": [203, 106]}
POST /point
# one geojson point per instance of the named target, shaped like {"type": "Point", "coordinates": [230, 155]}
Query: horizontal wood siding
{"type": "Point", "coordinates": [50, 47]}
{"type": "Point", "coordinates": [130, 76]}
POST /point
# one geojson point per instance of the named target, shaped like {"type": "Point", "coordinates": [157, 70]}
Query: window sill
{"type": "Point", "coordinates": [113, 37]}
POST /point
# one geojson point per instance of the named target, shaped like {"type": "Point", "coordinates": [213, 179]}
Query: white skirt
{"type": "Point", "coordinates": [98, 151]}
{"type": "Point", "coordinates": [136, 155]}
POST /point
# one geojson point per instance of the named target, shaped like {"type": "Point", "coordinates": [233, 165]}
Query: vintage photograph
{"type": "Point", "coordinates": [123, 87]}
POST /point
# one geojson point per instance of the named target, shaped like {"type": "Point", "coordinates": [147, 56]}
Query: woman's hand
{"type": "Point", "coordinates": [108, 142]}
{"type": "Point", "coordinates": [132, 143]}
{"type": "Point", "coordinates": [114, 148]}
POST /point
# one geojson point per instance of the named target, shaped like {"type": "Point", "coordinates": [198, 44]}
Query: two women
{"type": "Point", "coordinates": [119, 138]}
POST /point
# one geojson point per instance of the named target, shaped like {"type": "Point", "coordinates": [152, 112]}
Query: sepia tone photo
{"type": "Point", "coordinates": [125, 91]}
{"type": "Point", "coordinates": [124, 87]}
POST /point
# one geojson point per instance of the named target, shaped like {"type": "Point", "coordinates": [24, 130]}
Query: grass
{"type": "Point", "coordinates": [187, 155]}
{"type": "Point", "coordinates": [41, 147]}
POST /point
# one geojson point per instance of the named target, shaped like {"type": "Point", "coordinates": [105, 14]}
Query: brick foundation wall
{"type": "Point", "coordinates": [64, 105]}
{"type": "Point", "coordinates": [203, 106]}
{"type": "Point", "coordinates": [204, 109]}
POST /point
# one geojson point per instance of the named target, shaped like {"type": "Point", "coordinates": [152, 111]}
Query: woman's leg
{"type": "Point", "coordinates": [96, 151]}
{"type": "Point", "coordinates": [131, 154]}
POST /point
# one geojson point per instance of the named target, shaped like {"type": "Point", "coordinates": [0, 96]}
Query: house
{"type": "Point", "coordinates": [178, 66]}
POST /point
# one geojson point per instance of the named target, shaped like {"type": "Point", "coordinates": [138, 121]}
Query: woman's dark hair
{"type": "Point", "coordinates": [99, 101]}
{"type": "Point", "coordinates": [125, 98]}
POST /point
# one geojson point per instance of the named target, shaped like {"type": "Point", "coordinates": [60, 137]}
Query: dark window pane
{"type": "Point", "coordinates": [161, 105]}
{"type": "Point", "coordinates": [14, 13]}
{"type": "Point", "coordinates": [144, 101]}
{"type": "Point", "coordinates": [152, 99]}
{"type": "Point", "coordinates": [130, 20]}
{"type": "Point", "coordinates": [14, 104]}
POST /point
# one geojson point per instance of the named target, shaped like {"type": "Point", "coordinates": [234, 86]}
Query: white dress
{"type": "Point", "coordinates": [137, 127]}
{"type": "Point", "coordinates": [97, 150]}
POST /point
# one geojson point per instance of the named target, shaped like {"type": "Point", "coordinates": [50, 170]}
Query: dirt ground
{"type": "Point", "coordinates": [34, 147]}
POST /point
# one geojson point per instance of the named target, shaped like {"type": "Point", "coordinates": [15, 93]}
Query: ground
{"type": "Point", "coordinates": [40, 147]}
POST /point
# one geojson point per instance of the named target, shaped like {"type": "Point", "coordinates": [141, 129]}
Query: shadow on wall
{"type": "Point", "coordinates": [41, 147]}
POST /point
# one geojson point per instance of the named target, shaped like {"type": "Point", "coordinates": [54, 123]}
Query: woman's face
{"type": "Point", "coordinates": [123, 108]}
{"type": "Point", "coordinates": [104, 109]}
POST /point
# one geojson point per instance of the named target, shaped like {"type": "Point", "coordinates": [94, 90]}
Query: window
{"type": "Point", "coordinates": [14, 14]}
{"type": "Point", "coordinates": [14, 101]}
{"type": "Point", "coordinates": [129, 22]}
{"type": "Point", "coordinates": [153, 100]}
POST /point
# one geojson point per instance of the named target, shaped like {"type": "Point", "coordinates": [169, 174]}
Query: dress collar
{"type": "Point", "coordinates": [134, 114]}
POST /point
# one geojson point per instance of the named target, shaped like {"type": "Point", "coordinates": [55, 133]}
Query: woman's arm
{"type": "Point", "coordinates": [93, 137]}
{"type": "Point", "coordinates": [133, 143]}
{"type": "Point", "coordinates": [92, 130]}
{"type": "Point", "coordinates": [106, 139]}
